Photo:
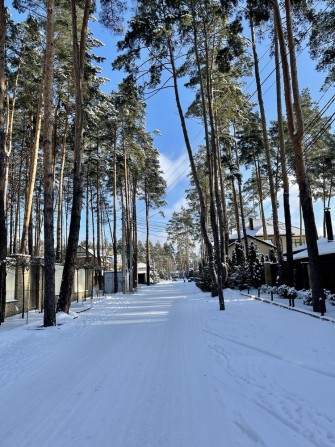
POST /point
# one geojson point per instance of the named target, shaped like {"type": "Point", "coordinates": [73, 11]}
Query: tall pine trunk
{"type": "Point", "coordinates": [214, 199]}
{"type": "Point", "coordinates": [203, 214]}
{"type": "Point", "coordinates": [3, 227]}
{"type": "Point", "coordinates": [146, 199]}
{"type": "Point", "coordinates": [98, 206]}
{"type": "Point", "coordinates": [134, 230]}
{"type": "Point", "coordinates": [49, 248]}
{"type": "Point", "coordinates": [266, 148]}
{"type": "Point", "coordinates": [295, 126]}
{"type": "Point", "coordinates": [287, 275]}
{"type": "Point", "coordinates": [59, 247]}
{"type": "Point", "coordinates": [9, 128]}
{"type": "Point", "coordinates": [33, 166]}
{"type": "Point", "coordinates": [64, 302]}
{"type": "Point", "coordinates": [116, 283]}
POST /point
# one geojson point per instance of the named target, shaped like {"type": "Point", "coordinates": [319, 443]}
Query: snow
{"type": "Point", "coordinates": [325, 247]}
{"type": "Point", "coordinates": [299, 304]}
{"type": "Point", "coordinates": [258, 229]}
{"type": "Point", "coordinates": [164, 367]}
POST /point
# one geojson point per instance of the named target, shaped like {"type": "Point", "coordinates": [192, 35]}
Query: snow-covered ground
{"type": "Point", "coordinates": [298, 303]}
{"type": "Point", "coordinates": [165, 368]}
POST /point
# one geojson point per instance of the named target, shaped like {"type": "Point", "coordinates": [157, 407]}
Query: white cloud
{"type": "Point", "coordinates": [177, 206]}
{"type": "Point", "coordinates": [295, 208]}
{"type": "Point", "coordinates": [174, 171]}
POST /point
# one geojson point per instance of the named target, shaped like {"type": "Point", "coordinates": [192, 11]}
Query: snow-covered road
{"type": "Point", "coordinates": [165, 368]}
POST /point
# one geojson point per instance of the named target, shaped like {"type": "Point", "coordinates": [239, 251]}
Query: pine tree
{"type": "Point", "coordinates": [79, 68]}
{"type": "Point", "coordinates": [3, 227]}
{"type": "Point", "coordinates": [49, 248]}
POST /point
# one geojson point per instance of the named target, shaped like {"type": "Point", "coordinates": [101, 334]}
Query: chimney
{"type": "Point", "coordinates": [251, 223]}
{"type": "Point", "coordinates": [329, 226]}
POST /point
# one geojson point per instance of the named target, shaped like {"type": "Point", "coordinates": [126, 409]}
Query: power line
{"type": "Point", "coordinates": [287, 53]}
{"type": "Point", "coordinates": [308, 147]}
{"type": "Point", "coordinates": [156, 235]}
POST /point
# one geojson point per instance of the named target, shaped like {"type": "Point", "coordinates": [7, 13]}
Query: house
{"type": "Point", "coordinates": [326, 249]}
{"type": "Point", "coordinates": [255, 229]}
{"type": "Point", "coordinates": [83, 257]}
{"type": "Point", "coordinates": [263, 246]}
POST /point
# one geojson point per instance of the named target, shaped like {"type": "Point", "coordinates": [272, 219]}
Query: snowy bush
{"type": "Point", "coordinates": [204, 280]}
{"type": "Point", "coordinates": [238, 277]}
{"type": "Point", "coordinates": [330, 297]}
{"type": "Point", "coordinates": [238, 270]}
{"type": "Point", "coordinates": [256, 266]}
{"type": "Point", "coordinates": [306, 296]}
{"type": "Point", "coordinates": [265, 288]}
{"type": "Point", "coordinates": [287, 291]}
{"type": "Point", "coordinates": [283, 290]}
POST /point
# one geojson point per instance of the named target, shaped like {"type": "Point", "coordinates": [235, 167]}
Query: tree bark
{"type": "Point", "coordinates": [211, 158]}
{"type": "Point", "coordinates": [266, 147]}
{"type": "Point", "coordinates": [59, 248]}
{"type": "Point", "coordinates": [98, 203]}
{"type": "Point", "coordinates": [134, 230]}
{"type": "Point", "coordinates": [3, 226]}
{"type": "Point", "coordinates": [18, 198]}
{"type": "Point", "coordinates": [64, 302]}
{"type": "Point", "coordinates": [11, 209]}
{"type": "Point", "coordinates": [9, 129]}
{"type": "Point", "coordinates": [116, 283]}
{"type": "Point", "coordinates": [48, 158]}
{"type": "Point", "coordinates": [33, 167]}
{"type": "Point", "coordinates": [148, 237]}
{"type": "Point", "coordinates": [38, 226]}
{"type": "Point", "coordinates": [286, 276]}
{"type": "Point", "coordinates": [240, 195]}
{"type": "Point", "coordinates": [236, 210]}
{"type": "Point", "coordinates": [222, 198]}
{"type": "Point", "coordinates": [296, 130]}
{"type": "Point", "coordinates": [260, 195]}
{"type": "Point", "coordinates": [203, 226]}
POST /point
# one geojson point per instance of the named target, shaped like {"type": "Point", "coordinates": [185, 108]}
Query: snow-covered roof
{"type": "Point", "coordinates": [81, 252]}
{"type": "Point", "coordinates": [258, 229]}
{"type": "Point", "coordinates": [325, 247]}
{"type": "Point", "coordinates": [266, 242]}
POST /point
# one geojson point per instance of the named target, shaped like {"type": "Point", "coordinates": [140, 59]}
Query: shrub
{"type": "Point", "coordinates": [306, 296]}
{"type": "Point", "coordinates": [265, 288]}
{"type": "Point", "coordinates": [238, 277]}
{"type": "Point", "coordinates": [330, 297]}
{"type": "Point", "coordinates": [204, 280]}
{"type": "Point", "coordinates": [256, 266]}
{"type": "Point", "coordinates": [287, 291]}
{"type": "Point", "coordinates": [283, 290]}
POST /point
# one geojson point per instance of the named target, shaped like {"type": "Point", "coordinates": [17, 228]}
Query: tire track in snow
{"type": "Point", "coordinates": [274, 356]}
{"type": "Point", "coordinates": [269, 397]}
